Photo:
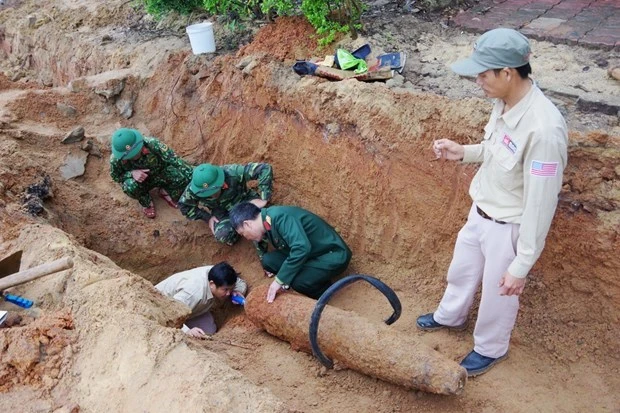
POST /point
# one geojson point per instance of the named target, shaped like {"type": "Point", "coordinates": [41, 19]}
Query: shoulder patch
{"type": "Point", "coordinates": [509, 144]}
{"type": "Point", "coordinates": [267, 223]}
{"type": "Point", "coordinates": [547, 169]}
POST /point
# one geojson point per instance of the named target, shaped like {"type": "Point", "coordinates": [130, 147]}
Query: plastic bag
{"type": "Point", "coordinates": [347, 61]}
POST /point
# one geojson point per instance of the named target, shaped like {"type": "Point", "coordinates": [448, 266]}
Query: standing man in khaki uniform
{"type": "Point", "coordinates": [515, 193]}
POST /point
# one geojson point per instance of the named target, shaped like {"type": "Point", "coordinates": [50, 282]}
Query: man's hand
{"type": "Point", "coordinates": [447, 149]}
{"type": "Point", "coordinates": [268, 274]}
{"type": "Point", "coordinates": [237, 294]}
{"type": "Point", "coordinates": [274, 289]}
{"type": "Point", "coordinates": [259, 202]}
{"type": "Point", "coordinates": [139, 175]}
{"type": "Point", "coordinates": [212, 221]}
{"type": "Point", "coordinates": [196, 333]}
{"type": "Point", "coordinates": [510, 285]}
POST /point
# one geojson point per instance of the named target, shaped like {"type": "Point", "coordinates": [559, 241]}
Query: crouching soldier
{"type": "Point", "coordinates": [308, 251]}
{"type": "Point", "coordinates": [219, 188]}
{"type": "Point", "coordinates": [141, 164]}
{"type": "Point", "coordinates": [200, 289]}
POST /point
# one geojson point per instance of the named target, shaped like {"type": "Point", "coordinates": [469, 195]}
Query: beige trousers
{"type": "Point", "coordinates": [483, 251]}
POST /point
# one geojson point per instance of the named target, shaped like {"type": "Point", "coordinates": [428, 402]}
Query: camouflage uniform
{"type": "Point", "coordinates": [234, 190]}
{"type": "Point", "coordinates": [167, 171]}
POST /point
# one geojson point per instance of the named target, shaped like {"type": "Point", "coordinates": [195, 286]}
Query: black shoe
{"type": "Point", "coordinates": [476, 363]}
{"type": "Point", "coordinates": [426, 322]}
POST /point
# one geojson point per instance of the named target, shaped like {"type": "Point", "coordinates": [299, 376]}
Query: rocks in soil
{"type": "Point", "coordinates": [614, 72]}
{"type": "Point", "coordinates": [108, 84]}
{"type": "Point", "coordinates": [66, 110]}
{"type": "Point", "coordinates": [40, 349]}
{"type": "Point", "coordinates": [76, 135]}
{"type": "Point", "coordinates": [31, 20]}
{"type": "Point", "coordinates": [74, 165]}
{"type": "Point", "coordinates": [35, 194]}
{"type": "Point", "coordinates": [248, 69]}
{"type": "Point", "coordinates": [397, 81]}
{"type": "Point", "coordinates": [92, 148]}
{"type": "Point", "coordinates": [110, 89]}
{"type": "Point", "coordinates": [12, 319]}
{"type": "Point", "coordinates": [125, 108]}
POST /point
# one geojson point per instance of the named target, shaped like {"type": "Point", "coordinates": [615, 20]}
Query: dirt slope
{"type": "Point", "coordinates": [356, 153]}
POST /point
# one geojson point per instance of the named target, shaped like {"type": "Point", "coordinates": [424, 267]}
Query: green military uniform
{"type": "Point", "coordinates": [308, 251]}
{"type": "Point", "coordinates": [166, 171]}
{"type": "Point", "coordinates": [234, 190]}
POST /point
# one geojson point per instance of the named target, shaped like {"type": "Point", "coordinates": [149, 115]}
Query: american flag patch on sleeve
{"type": "Point", "coordinates": [544, 168]}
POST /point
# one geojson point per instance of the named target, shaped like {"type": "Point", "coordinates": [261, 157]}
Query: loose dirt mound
{"type": "Point", "coordinates": [121, 338]}
{"type": "Point", "coordinates": [357, 154]}
{"type": "Point", "coordinates": [298, 45]}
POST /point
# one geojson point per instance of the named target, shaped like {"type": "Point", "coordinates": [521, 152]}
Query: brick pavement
{"type": "Point", "coordinates": [589, 23]}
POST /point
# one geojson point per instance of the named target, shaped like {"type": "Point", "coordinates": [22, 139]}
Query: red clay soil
{"type": "Point", "coordinates": [288, 39]}
{"type": "Point", "coordinates": [41, 107]}
{"type": "Point", "coordinates": [37, 353]}
{"type": "Point", "coordinates": [5, 84]}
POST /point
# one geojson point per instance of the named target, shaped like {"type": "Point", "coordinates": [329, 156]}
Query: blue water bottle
{"type": "Point", "coordinates": [237, 299]}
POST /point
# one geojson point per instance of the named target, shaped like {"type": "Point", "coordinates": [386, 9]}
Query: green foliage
{"type": "Point", "coordinates": [278, 7]}
{"type": "Point", "coordinates": [234, 26]}
{"type": "Point", "coordinates": [328, 17]}
{"type": "Point", "coordinates": [160, 7]}
{"type": "Point", "coordinates": [234, 9]}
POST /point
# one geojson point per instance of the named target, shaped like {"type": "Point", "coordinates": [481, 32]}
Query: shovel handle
{"type": "Point", "coordinates": [35, 272]}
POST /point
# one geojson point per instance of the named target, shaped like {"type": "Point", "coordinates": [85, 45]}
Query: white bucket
{"type": "Point", "coordinates": [201, 37]}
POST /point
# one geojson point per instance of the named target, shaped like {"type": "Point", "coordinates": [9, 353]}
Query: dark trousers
{"type": "Point", "coordinates": [316, 274]}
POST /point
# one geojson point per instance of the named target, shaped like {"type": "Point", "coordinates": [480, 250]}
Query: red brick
{"type": "Point", "coordinates": [543, 25]}
{"type": "Point", "coordinates": [593, 23]}
{"type": "Point", "coordinates": [530, 14]}
{"type": "Point", "coordinates": [574, 3]}
{"type": "Point", "coordinates": [606, 41]}
{"type": "Point", "coordinates": [605, 31]}
{"type": "Point", "coordinates": [612, 26]}
{"type": "Point", "coordinates": [519, 2]}
{"type": "Point", "coordinates": [613, 3]}
{"type": "Point", "coordinates": [571, 33]}
{"type": "Point", "coordinates": [548, 3]}
{"type": "Point", "coordinates": [560, 13]}
{"type": "Point", "coordinates": [537, 6]}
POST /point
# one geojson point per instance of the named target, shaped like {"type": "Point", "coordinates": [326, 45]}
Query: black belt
{"type": "Point", "coordinates": [485, 216]}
